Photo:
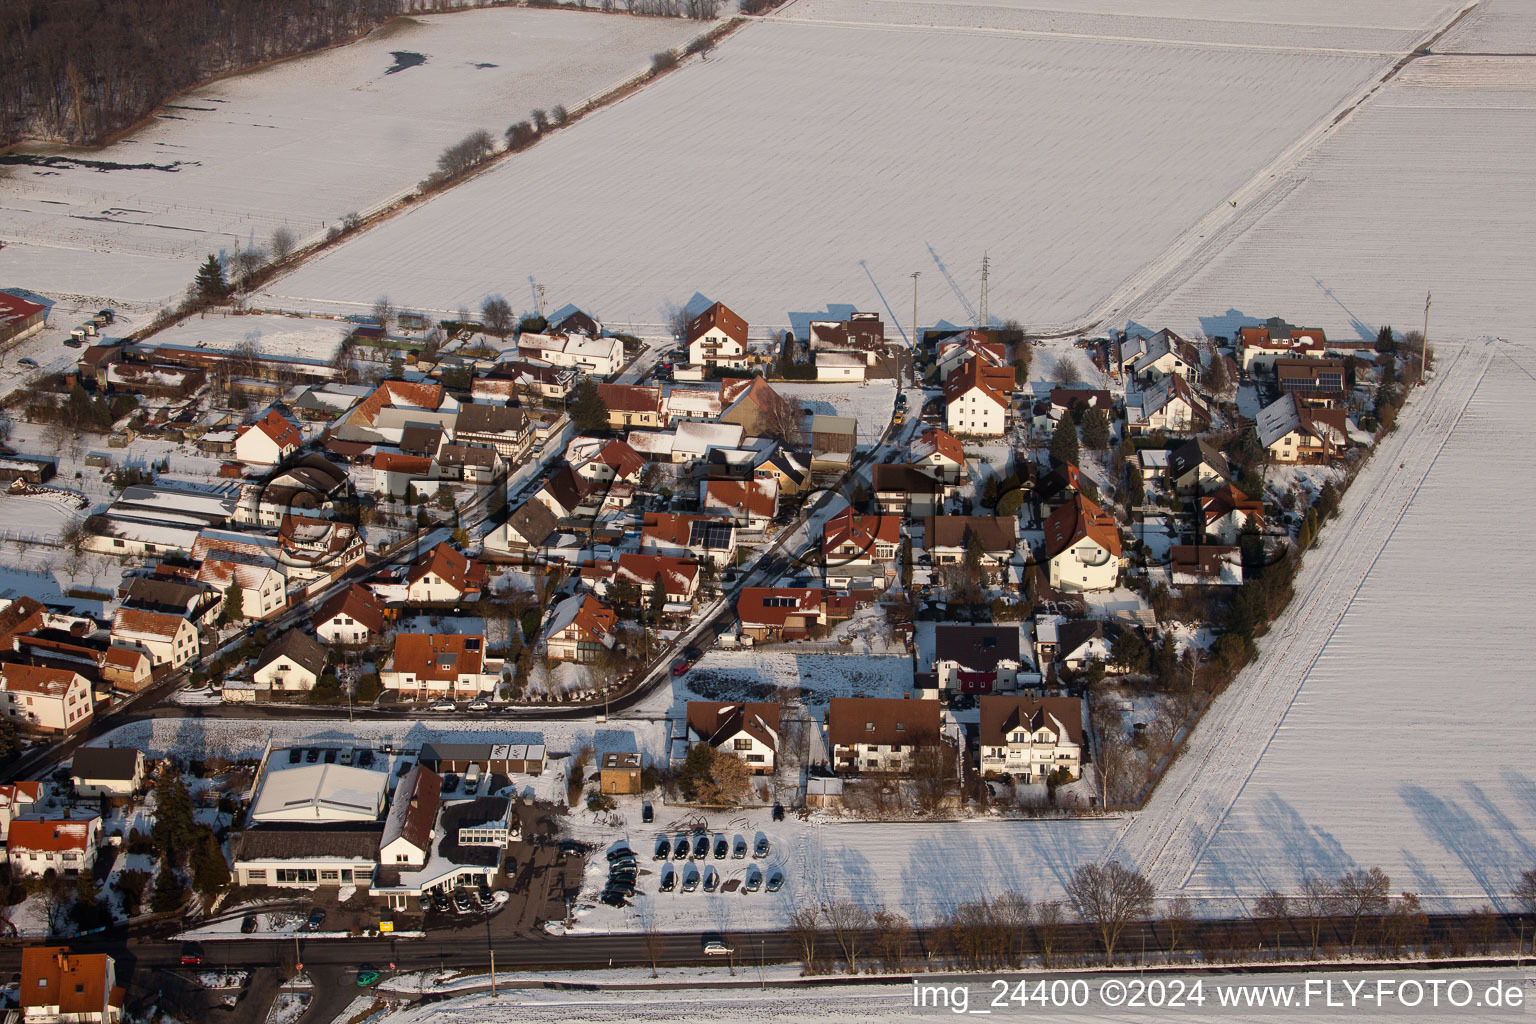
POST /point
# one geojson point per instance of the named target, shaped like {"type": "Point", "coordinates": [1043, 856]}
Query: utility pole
{"type": "Point", "coordinates": [1424, 341]}
{"type": "Point", "coordinates": [915, 275]}
{"type": "Point", "coordinates": [983, 322]}
{"type": "Point", "coordinates": [493, 972]}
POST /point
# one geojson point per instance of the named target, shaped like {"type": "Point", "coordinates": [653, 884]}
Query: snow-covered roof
{"type": "Point", "coordinates": [319, 793]}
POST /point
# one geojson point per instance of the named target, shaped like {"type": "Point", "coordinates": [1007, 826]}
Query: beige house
{"type": "Point", "coordinates": [262, 585]}
{"type": "Point", "coordinates": [1291, 431]}
{"type": "Point", "coordinates": [167, 639]}
{"type": "Point", "coordinates": [1082, 547]}
{"type": "Point", "coordinates": [1028, 738]}
{"type": "Point", "coordinates": [292, 663]}
{"type": "Point", "coordinates": [746, 729]}
{"type": "Point", "coordinates": [717, 337]}
{"type": "Point", "coordinates": [879, 735]}
{"type": "Point", "coordinates": [45, 699]}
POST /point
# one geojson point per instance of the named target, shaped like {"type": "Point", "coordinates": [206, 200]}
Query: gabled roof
{"type": "Point", "coordinates": [753, 390]}
{"type": "Point", "coordinates": [248, 571]}
{"type": "Point", "coordinates": [897, 477]}
{"type": "Point", "coordinates": [937, 442]}
{"type": "Point", "coordinates": [22, 615]}
{"type": "Point", "coordinates": [439, 657]}
{"type": "Point", "coordinates": [978, 648]}
{"type": "Point", "coordinates": [75, 983]}
{"type": "Point", "coordinates": [677, 574]}
{"type": "Point", "coordinates": [413, 811]}
{"type": "Point", "coordinates": [786, 465]}
{"type": "Point", "coordinates": [717, 722]}
{"type": "Point", "coordinates": [1191, 453]}
{"type": "Point", "coordinates": [38, 679]}
{"type": "Point", "coordinates": [773, 606]}
{"type": "Point", "coordinates": [994, 381]}
{"type": "Point", "coordinates": [1074, 634]}
{"type": "Point", "coordinates": [718, 315]}
{"type": "Point", "coordinates": [448, 564]}
{"type": "Point", "coordinates": [119, 764]}
{"type": "Point", "coordinates": [299, 647]}
{"type": "Point", "coordinates": [883, 720]}
{"type": "Point", "coordinates": [1077, 520]}
{"type": "Point", "coordinates": [283, 433]}
{"type": "Point", "coordinates": [996, 533]}
{"type": "Point", "coordinates": [1170, 389]}
{"type": "Point", "coordinates": [1215, 563]}
{"type": "Point", "coordinates": [630, 398]}
{"type": "Point", "coordinates": [533, 522]}
{"type": "Point", "coordinates": [137, 622]}
{"type": "Point", "coordinates": [755, 497]}
{"type": "Point", "coordinates": [45, 834]}
{"type": "Point", "coordinates": [397, 393]}
{"type": "Point", "coordinates": [357, 602]}
{"type": "Point", "coordinates": [862, 531]}
{"type": "Point", "coordinates": [490, 419]}
{"type": "Point", "coordinates": [590, 617]}
{"type": "Point", "coordinates": [1225, 499]}
{"type": "Point", "coordinates": [399, 462]}
{"type": "Point", "coordinates": [621, 458]}
{"type": "Point", "coordinates": [1001, 715]}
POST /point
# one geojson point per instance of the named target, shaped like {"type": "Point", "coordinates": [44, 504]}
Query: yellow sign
{"type": "Point", "coordinates": [386, 926]}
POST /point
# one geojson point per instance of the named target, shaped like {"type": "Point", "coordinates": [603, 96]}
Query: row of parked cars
{"type": "Point", "coordinates": [623, 867]}
{"type": "Point", "coordinates": [709, 878]}
{"type": "Point", "coordinates": [463, 900]}
{"type": "Point", "coordinates": [680, 848]}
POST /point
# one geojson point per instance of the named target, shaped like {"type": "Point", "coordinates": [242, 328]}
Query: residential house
{"type": "Point", "coordinates": [1081, 642]}
{"type": "Point", "coordinates": [946, 539]}
{"type": "Point", "coordinates": [693, 403]}
{"type": "Point", "coordinates": [835, 366]}
{"type": "Point", "coordinates": [610, 461]}
{"type": "Point", "coordinates": [858, 552]}
{"type": "Point", "coordinates": [907, 491]}
{"type": "Point", "coordinates": [780, 613]}
{"type": "Point", "coordinates": [196, 601]}
{"type": "Point", "coordinates": [619, 773]}
{"type": "Point", "coordinates": [693, 441]}
{"type": "Point", "coordinates": [564, 493]}
{"type": "Point", "coordinates": [976, 399]}
{"type": "Point", "coordinates": [526, 530]}
{"type": "Point", "coordinates": [1208, 565]}
{"type": "Point", "coordinates": [1196, 467]}
{"type": "Point", "coordinates": [401, 403]}
{"type": "Point", "coordinates": [444, 575]}
{"type": "Point", "coordinates": [502, 427]}
{"type": "Point", "coordinates": [577, 321]}
{"type": "Point", "coordinates": [351, 616]}
{"type": "Point", "coordinates": [17, 800]}
{"type": "Point", "coordinates": [597, 357]}
{"type": "Point", "coordinates": [268, 441]}
{"type": "Point", "coordinates": [1292, 431]}
{"type": "Point", "coordinates": [1226, 511]}
{"type": "Point", "coordinates": [426, 666]}
{"type": "Point", "coordinates": [1058, 487]}
{"type": "Point", "coordinates": [1164, 354]}
{"type": "Point", "coordinates": [950, 355]}
{"type": "Point", "coordinates": [65, 845]}
{"type": "Point", "coordinates": [308, 484]}
{"type": "Point", "coordinates": [1074, 400]}
{"type": "Point", "coordinates": [1030, 739]}
{"type": "Point", "coordinates": [938, 453]}
{"type": "Point", "coordinates": [310, 549]}
{"type": "Point", "coordinates": [107, 771]}
{"type": "Point", "coordinates": [631, 405]}
{"type": "Point", "coordinates": [19, 615]}
{"type": "Point", "coordinates": [533, 382]}
{"type": "Point", "coordinates": [752, 504]}
{"type": "Point", "coordinates": [396, 473]}
{"type": "Point", "coordinates": [1315, 383]}
{"type": "Point", "coordinates": [976, 658]}
{"type": "Point", "coordinates": [125, 670]}
{"type": "Point", "coordinates": [1170, 405]}
{"type": "Point", "coordinates": [1259, 346]}
{"type": "Point", "coordinates": [862, 334]}
{"type": "Point", "coordinates": [679, 577]}
{"type": "Point", "coordinates": [707, 538]}
{"type": "Point", "coordinates": [1082, 547]}
{"type": "Point", "coordinates": [45, 699]}
{"type": "Point", "coordinates": [579, 629]}
{"type": "Point", "coordinates": [746, 729]}
{"type": "Point", "coordinates": [784, 468]}
{"type": "Point", "coordinates": [167, 639]}
{"type": "Point", "coordinates": [293, 663]}
{"type": "Point", "coordinates": [59, 986]}
{"type": "Point", "coordinates": [469, 463]}
{"type": "Point", "coordinates": [752, 404]}
{"type": "Point", "coordinates": [261, 583]}
{"type": "Point", "coordinates": [717, 338]}
{"type": "Point", "coordinates": [880, 735]}
{"type": "Point", "coordinates": [406, 842]}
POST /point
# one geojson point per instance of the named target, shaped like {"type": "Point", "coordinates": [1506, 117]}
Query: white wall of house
{"type": "Point", "coordinates": [1086, 565]}
{"type": "Point", "coordinates": [57, 713]}
{"type": "Point", "coordinates": [872, 757]}
{"type": "Point", "coordinates": [976, 413]}
{"type": "Point", "coordinates": [175, 651]}
{"type": "Point", "coordinates": [256, 446]}
{"type": "Point", "coordinates": [401, 852]}
{"type": "Point", "coordinates": [432, 587]}
{"type": "Point", "coordinates": [1033, 756]}
{"type": "Point", "coordinates": [716, 348]}
{"type": "Point", "coordinates": [303, 873]}
{"type": "Point", "coordinates": [757, 754]}
{"type": "Point", "coordinates": [342, 629]}
{"type": "Point", "coordinates": [283, 673]}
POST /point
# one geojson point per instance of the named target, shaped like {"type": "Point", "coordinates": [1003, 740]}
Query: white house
{"type": "Point", "coordinates": [833, 366]}
{"type": "Point", "coordinates": [107, 771]}
{"type": "Point", "coordinates": [938, 453]}
{"type": "Point", "coordinates": [1258, 347]}
{"type": "Point", "coordinates": [442, 574]}
{"type": "Point", "coordinates": [1226, 511]}
{"type": "Point", "coordinates": [752, 504]}
{"type": "Point", "coordinates": [50, 699]}
{"type": "Point", "coordinates": [268, 441]}
{"type": "Point", "coordinates": [1029, 738]}
{"type": "Point", "coordinates": [579, 628]}
{"type": "Point", "coordinates": [1168, 404]}
{"type": "Point", "coordinates": [67, 845]}
{"type": "Point", "coordinates": [972, 658]}
{"type": "Point", "coordinates": [292, 663]}
{"type": "Point", "coordinates": [353, 616]}
{"type": "Point", "coordinates": [717, 337]}
{"type": "Point", "coordinates": [1292, 431]}
{"type": "Point", "coordinates": [879, 734]}
{"type": "Point", "coordinates": [746, 729]}
{"type": "Point", "coordinates": [1196, 467]}
{"type": "Point", "coordinates": [1163, 354]}
{"type": "Point", "coordinates": [412, 823]}
{"type": "Point", "coordinates": [976, 398]}
{"type": "Point", "coordinates": [598, 357]}
{"type": "Point", "coordinates": [262, 585]}
{"type": "Point", "coordinates": [426, 666]}
{"type": "Point", "coordinates": [1082, 547]}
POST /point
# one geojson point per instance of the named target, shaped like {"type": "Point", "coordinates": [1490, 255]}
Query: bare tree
{"type": "Point", "coordinates": [558, 115]}
{"type": "Point", "coordinates": [893, 933]}
{"type": "Point", "coordinates": [1177, 918]}
{"type": "Point", "coordinates": [1012, 911]}
{"type": "Point", "coordinates": [383, 311]}
{"type": "Point", "coordinates": [1316, 904]}
{"type": "Point", "coordinates": [1525, 893]}
{"type": "Point", "coordinates": [1067, 370]}
{"type": "Point", "coordinates": [247, 262]}
{"type": "Point", "coordinates": [1272, 910]}
{"type": "Point", "coordinates": [781, 420]}
{"type": "Point", "coordinates": [676, 319]}
{"type": "Point", "coordinates": [496, 316]}
{"type": "Point", "coordinates": [1109, 897]}
{"type": "Point", "coordinates": [1359, 894]}
{"type": "Point", "coordinates": [934, 776]}
{"type": "Point", "coordinates": [849, 922]}
{"type": "Point", "coordinates": [805, 928]}
{"type": "Point", "coordinates": [75, 540]}
{"type": "Point", "coordinates": [540, 119]}
{"type": "Point", "coordinates": [282, 242]}
{"type": "Point", "coordinates": [1049, 917]}
{"type": "Point", "coordinates": [655, 942]}
{"type": "Point", "coordinates": [1404, 924]}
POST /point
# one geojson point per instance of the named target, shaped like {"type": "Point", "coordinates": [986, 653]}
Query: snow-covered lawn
{"type": "Point", "coordinates": [1087, 153]}
{"type": "Point", "coordinates": [303, 143]}
{"type": "Point", "coordinates": [870, 403]}
{"type": "Point", "coordinates": [273, 335]}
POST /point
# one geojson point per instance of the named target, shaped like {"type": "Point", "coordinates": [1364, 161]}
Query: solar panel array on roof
{"type": "Point", "coordinates": [711, 536]}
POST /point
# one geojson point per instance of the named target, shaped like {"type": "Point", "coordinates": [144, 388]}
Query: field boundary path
{"type": "Point", "coordinates": [1168, 838]}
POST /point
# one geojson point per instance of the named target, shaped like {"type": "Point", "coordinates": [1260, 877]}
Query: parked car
{"type": "Point", "coordinates": [761, 849]}
{"type": "Point", "coordinates": [461, 901]}
{"type": "Point", "coordinates": [647, 815]}
{"type": "Point", "coordinates": [690, 881]}
{"type": "Point", "coordinates": [191, 954]}
{"type": "Point", "coordinates": [613, 899]}
{"type": "Point", "coordinates": [711, 879]}
{"type": "Point", "coordinates": [315, 920]}
{"type": "Point", "coordinates": [311, 755]}
{"type": "Point", "coordinates": [248, 924]}
{"type": "Point", "coordinates": [445, 705]}
{"type": "Point", "coordinates": [622, 853]}
{"type": "Point", "coordinates": [440, 900]}
{"type": "Point", "coordinates": [486, 898]}
{"type": "Point", "coordinates": [479, 705]}
{"type": "Point", "coordinates": [721, 848]}
{"type": "Point", "coordinates": [663, 849]}
{"type": "Point", "coordinates": [680, 666]}
{"type": "Point", "coordinates": [740, 849]}
{"type": "Point", "coordinates": [701, 847]}
{"type": "Point", "coordinates": [26, 361]}
{"type": "Point", "coordinates": [754, 881]}
{"type": "Point", "coordinates": [367, 976]}
{"type": "Point", "coordinates": [424, 901]}
{"type": "Point", "coordinates": [680, 851]}
{"type": "Point", "coordinates": [717, 947]}
{"type": "Point", "coordinates": [668, 881]}
{"type": "Point", "coordinates": [775, 881]}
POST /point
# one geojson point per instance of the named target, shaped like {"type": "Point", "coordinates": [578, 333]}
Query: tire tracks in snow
{"type": "Point", "coordinates": [1170, 836]}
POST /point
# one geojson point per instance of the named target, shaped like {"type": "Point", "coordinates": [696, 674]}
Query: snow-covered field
{"type": "Point", "coordinates": [1427, 188]}
{"type": "Point", "coordinates": [273, 335]}
{"type": "Point", "coordinates": [861, 151]}
{"type": "Point", "coordinates": [303, 144]}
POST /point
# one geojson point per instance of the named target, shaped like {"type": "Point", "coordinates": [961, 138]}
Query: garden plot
{"type": "Point", "coordinates": [302, 144]}
{"type": "Point", "coordinates": [780, 670]}
{"type": "Point", "coordinates": [834, 172]}
{"type": "Point", "coordinates": [1325, 245]}
{"type": "Point", "coordinates": [870, 403]}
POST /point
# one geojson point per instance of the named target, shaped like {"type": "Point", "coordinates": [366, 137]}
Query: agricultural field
{"type": "Point", "coordinates": [823, 155]}
{"type": "Point", "coordinates": [300, 144]}
{"type": "Point", "coordinates": [1427, 188]}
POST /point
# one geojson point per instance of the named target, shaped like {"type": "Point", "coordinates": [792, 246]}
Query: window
{"type": "Point", "coordinates": [743, 744]}
{"type": "Point", "coordinates": [329, 876]}
{"type": "Point", "coordinates": [296, 874]}
{"type": "Point", "coordinates": [259, 875]}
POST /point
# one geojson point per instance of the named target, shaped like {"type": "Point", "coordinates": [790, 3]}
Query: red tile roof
{"type": "Point", "coordinates": [757, 497]}
{"type": "Point", "coordinates": [630, 398]}
{"type": "Point", "coordinates": [718, 315]}
{"type": "Point", "coordinates": [773, 606]}
{"type": "Point", "coordinates": [399, 462]}
{"type": "Point", "coordinates": [49, 682]}
{"type": "Point", "coordinates": [455, 569]}
{"type": "Point", "coordinates": [1001, 715]}
{"type": "Point", "coordinates": [1226, 498]}
{"type": "Point", "coordinates": [141, 622]}
{"type": "Point", "coordinates": [717, 721]}
{"type": "Point", "coordinates": [862, 531]}
{"type": "Point", "coordinates": [439, 657]}
{"type": "Point", "coordinates": [938, 442]}
{"type": "Point", "coordinates": [397, 392]}
{"type": "Point", "coordinates": [622, 459]}
{"type": "Point", "coordinates": [1078, 519]}
{"type": "Point", "coordinates": [994, 381]}
{"type": "Point", "coordinates": [76, 984]}
{"type": "Point", "coordinates": [49, 836]}
{"type": "Point", "coordinates": [358, 602]}
{"type": "Point", "coordinates": [283, 433]}
{"type": "Point", "coordinates": [886, 721]}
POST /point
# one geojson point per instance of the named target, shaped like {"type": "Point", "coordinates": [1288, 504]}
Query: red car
{"type": "Point", "coordinates": [191, 955]}
{"type": "Point", "coordinates": [680, 666]}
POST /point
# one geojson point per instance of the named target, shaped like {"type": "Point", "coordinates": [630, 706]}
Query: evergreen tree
{"type": "Point", "coordinates": [588, 410]}
{"type": "Point", "coordinates": [210, 871]}
{"type": "Point", "coordinates": [1384, 339]}
{"type": "Point", "coordinates": [1064, 441]}
{"type": "Point", "coordinates": [173, 829]}
{"type": "Point", "coordinates": [658, 598]}
{"type": "Point", "coordinates": [234, 603]}
{"type": "Point", "coordinates": [1096, 429]}
{"type": "Point", "coordinates": [1216, 378]}
{"type": "Point", "coordinates": [210, 283]}
{"type": "Point", "coordinates": [168, 892]}
{"type": "Point", "coordinates": [989, 493]}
